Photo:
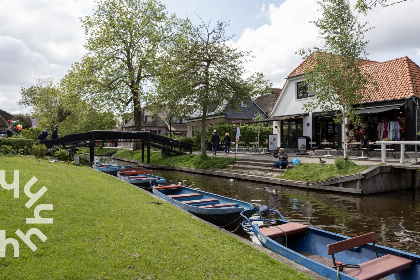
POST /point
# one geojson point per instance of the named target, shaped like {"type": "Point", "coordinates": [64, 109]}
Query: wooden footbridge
{"type": "Point", "coordinates": [147, 140]}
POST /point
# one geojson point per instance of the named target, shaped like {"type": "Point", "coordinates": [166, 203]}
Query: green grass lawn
{"type": "Point", "coordinates": [107, 229]}
{"type": "Point", "coordinates": [190, 160]}
{"type": "Point", "coordinates": [314, 172]}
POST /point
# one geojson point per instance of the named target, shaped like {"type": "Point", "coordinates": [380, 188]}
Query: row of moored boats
{"type": "Point", "coordinates": [331, 255]}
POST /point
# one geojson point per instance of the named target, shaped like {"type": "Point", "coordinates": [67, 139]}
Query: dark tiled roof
{"type": "Point", "coordinates": [244, 113]}
{"type": "Point", "coordinates": [6, 115]}
{"type": "Point", "coordinates": [3, 123]}
{"type": "Point", "coordinates": [267, 101]}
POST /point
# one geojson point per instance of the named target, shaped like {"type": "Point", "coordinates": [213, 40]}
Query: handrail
{"type": "Point", "coordinates": [402, 150]}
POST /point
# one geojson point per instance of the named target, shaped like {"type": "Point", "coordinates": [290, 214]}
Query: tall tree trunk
{"type": "Point", "coordinates": [203, 130]}
{"type": "Point", "coordinates": [136, 118]}
{"type": "Point", "coordinates": [345, 121]}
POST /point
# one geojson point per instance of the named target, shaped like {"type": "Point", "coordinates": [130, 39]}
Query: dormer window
{"type": "Point", "coordinates": [149, 119]}
{"type": "Point", "coordinates": [302, 91]}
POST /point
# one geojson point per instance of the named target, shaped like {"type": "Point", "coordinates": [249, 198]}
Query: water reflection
{"type": "Point", "coordinates": [393, 216]}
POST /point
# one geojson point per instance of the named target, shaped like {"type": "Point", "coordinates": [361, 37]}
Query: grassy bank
{"type": "Point", "coordinates": [314, 172]}
{"type": "Point", "coordinates": [106, 229]}
{"type": "Point", "coordinates": [191, 160]}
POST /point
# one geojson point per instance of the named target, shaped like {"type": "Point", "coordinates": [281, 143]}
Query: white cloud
{"type": "Point", "coordinates": [274, 45]}
{"type": "Point", "coordinates": [38, 39]}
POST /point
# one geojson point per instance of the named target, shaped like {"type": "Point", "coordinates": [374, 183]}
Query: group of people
{"type": "Point", "coordinates": [44, 134]}
{"type": "Point", "coordinates": [215, 140]}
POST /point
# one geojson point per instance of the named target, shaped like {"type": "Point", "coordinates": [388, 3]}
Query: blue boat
{"type": "Point", "coordinates": [141, 177]}
{"type": "Point", "coordinates": [108, 168]}
{"type": "Point", "coordinates": [216, 209]}
{"type": "Point", "coordinates": [329, 254]}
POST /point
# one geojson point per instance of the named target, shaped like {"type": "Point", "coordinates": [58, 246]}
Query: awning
{"type": "Point", "coordinates": [295, 116]}
{"type": "Point", "coordinates": [374, 110]}
{"type": "Point", "coordinates": [280, 118]}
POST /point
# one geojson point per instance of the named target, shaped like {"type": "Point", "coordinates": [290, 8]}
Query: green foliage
{"type": "Point", "coordinates": [343, 164]}
{"type": "Point", "coordinates": [31, 133]}
{"type": "Point", "coordinates": [57, 104]}
{"type": "Point", "coordinates": [209, 76]}
{"type": "Point", "coordinates": [6, 150]}
{"type": "Point", "coordinates": [39, 150]}
{"type": "Point", "coordinates": [18, 145]}
{"type": "Point", "coordinates": [318, 172]}
{"type": "Point", "coordinates": [62, 155]}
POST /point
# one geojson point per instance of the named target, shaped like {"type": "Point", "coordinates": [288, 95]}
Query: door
{"type": "Point", "coordinates": [290, 131]}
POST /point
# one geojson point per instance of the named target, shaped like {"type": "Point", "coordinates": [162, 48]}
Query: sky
{"type": "Point", "coordinates": [43, 38]}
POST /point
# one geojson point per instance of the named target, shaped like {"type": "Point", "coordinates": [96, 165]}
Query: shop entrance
{"type": "Point", "coordinates": [327, 131]}
{"type": "Point", "coordinates": [290, 131]}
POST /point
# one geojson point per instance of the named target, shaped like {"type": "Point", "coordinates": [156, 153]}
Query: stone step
{"type": "Point", "coordinates": [254, 163]}
{"type": "Point", "coordinates": [256, 167]}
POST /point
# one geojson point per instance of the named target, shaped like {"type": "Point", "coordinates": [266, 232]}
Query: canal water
{"type": "Point", "coordinates": [395, 216]}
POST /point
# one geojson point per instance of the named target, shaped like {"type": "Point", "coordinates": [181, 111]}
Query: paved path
{"type": "Point", "coordinates": [309, 158]}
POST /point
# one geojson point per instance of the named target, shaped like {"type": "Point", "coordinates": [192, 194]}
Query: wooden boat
{"type": "Point", "coordinates": [140, 177]}
{"type": "Point", "coordinates": [331, 255]}
{"type": "Point", "coordinates": [217, 209]}
{"type": "Point", "coordinates": [108, 168]}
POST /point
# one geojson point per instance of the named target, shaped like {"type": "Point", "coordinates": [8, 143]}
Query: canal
{"type": "Point", "coordinates": [395, 216]}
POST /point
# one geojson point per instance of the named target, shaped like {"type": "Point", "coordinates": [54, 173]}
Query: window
{"type": "Point", "coordinates": [302, 91]}
{"type": "Point", "coordinates": [149, 119]}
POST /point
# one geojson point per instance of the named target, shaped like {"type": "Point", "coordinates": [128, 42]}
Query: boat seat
{"type": "Point", "coordinates": [185, 195]}
{"type": "Point", "coordinates": [169, 187]}
{"type": "Point", "coordinates": [199, 201]}
{"type": "Point", "coordinates": [220, 205]}
{"type": "Point", "coordinates": [374, 269]}
{"type": "Point", "coordinates": [276, 231]}
{"type": "Point", "coordinates": [134, 172]}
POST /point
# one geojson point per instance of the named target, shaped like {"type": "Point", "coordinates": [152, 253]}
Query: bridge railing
{"type": "Point", "coordinates": [402, 149]}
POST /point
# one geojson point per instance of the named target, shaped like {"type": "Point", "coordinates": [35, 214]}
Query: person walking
{"type": "Point", "coordinates": [54, 134]}
{"type": "Point", "coordinates": [44, 134]}
{"type": "Point", "coordinates": [227, 141]}
{"type": "Point", "coordinates": [215, 139]}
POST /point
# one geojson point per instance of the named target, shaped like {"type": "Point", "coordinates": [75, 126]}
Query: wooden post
{"type": "Point", "coordinates": [148, 148]}
{"type": "Point", "coordinates": [142, 151]}
{"type": "Point", "coordinates": [92, 149]}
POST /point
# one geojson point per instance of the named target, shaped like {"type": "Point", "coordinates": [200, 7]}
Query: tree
{"type": "Point", "coordinates": [124, 41]}
{"type": "Point", "coordinates": [202, 71]}
{"type": "Point", "coordinates": [46, 101]}
{"type": "Point", "coordinates": [52, 104]}
{"type": "Point", "coordinates": [365, 5]}
{"type": "Point", "coordinates": [333, 71]}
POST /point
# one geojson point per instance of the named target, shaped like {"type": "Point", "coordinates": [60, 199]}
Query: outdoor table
{"type": "Point", "coordinates": [363, 156]}
{"type": "Point", "coordinates": [328, 148]}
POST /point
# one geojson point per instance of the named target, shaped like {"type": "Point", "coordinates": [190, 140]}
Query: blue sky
{"type": "Point", "coordinates": [43, 38]}
{"type": "Point", "coordinates": [240, 13]}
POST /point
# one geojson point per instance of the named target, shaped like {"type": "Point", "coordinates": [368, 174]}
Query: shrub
{"type": "Point", "coordinates": [39, 150]}
{"type": "Point", "coordinates": [62, 155]}
{"type": "Point", "coordinates": [19, 145]}
{"type": "Point", "coordinates": [343, 164]}
{"type": "Point", "coordinates": [6, 150]}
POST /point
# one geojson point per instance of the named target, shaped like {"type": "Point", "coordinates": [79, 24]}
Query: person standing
{"type": "Point", "coordinates": [215, 139]}
{"type": "Point", "coordinates": [44, 134]}
{"type": "Point", "coordinates": [227, 141]}
{"type": "Point", "coordinates": [54, 134]}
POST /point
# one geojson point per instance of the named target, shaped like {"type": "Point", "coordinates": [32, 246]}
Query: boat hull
{"type": "Point", "coordinates": [224, 216]}
{"type": "Point", "coordinates": [140, 177]}
{"type": "Point", "coordinates": [309, 249]}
